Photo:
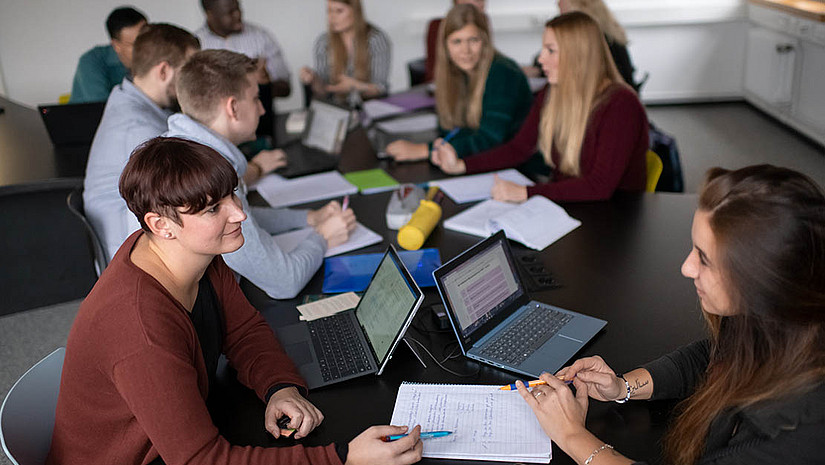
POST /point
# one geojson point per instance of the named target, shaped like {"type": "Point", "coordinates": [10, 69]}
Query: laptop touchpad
{"type": "Point", "coordinates": [300, 353]}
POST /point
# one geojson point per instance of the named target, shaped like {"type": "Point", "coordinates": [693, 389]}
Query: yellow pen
{"type": "Point", "coordinates": [533, 383]}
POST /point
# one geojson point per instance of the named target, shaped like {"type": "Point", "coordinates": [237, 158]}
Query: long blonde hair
{"type": "Point", "coordinates": [457, 98]}
{"type": "Point", "coordinates": [338, 56]}
{"type": "Point", "coordinates": [599, 11]}
{"type": "Point", "coordinates": [586, 69]}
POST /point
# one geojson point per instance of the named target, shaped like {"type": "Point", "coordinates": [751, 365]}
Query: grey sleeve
{"type": "Point", "coordinates": [280, 274]}
{"type": "Point", "coordinates": [676, 374]}
{"type": "Point", "coordinates": [278, 220]}
{"type": "Point", "coordinates": [380, 59]}
{"type": "Point", "coordinates": [320, 52]}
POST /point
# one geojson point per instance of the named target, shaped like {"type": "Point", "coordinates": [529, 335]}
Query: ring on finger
{"type": "Point", "coordinates": [537, 394]}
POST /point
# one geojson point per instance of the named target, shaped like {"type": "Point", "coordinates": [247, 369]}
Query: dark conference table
{"type": "Point", "coordinates": [621, 265]}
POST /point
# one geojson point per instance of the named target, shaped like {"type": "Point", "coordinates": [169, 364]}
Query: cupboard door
{"type": "Point", "coordinates": [810, 105]}
{"type": "Point", "coordinates": [770, 65]}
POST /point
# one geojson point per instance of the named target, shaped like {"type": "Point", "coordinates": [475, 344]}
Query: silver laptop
{"type": "Point", "coordinates": [361, 341]}
{"type": "Point", "coordinates": [494, 319]}
{"type": "Point", "coordinates": [320, 145]}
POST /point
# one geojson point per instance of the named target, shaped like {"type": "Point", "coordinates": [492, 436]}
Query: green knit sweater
{"type": "Point", "coordinates": [505, 104]}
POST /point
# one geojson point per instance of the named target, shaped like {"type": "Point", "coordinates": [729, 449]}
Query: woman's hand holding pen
{"type": "Point", "coordinates": [597, 378]}
{"type": "Point", "coordinates": [445, 157]}
{"type": "Point", "coordinates": [304, 417]}
{"type": "Point", "coordinates": [560, 413]}
{"type": "Point", "coordinates": [337, 226]}
{"type": "Point", "coordinates": [370, 447]}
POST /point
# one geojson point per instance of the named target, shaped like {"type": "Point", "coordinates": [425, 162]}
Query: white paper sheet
{"type": "Point", "coordinates": [487, 423]}
{"type": "Point", "coordinates": [476, 187]}
{"type": "Point", "coordinates": [328, 307]}
{"type": "Point", "coordinates": [361, 237]}
{"type": "Point", "coordinates": [415, 123]}
{"type": "Point", "coordinates": [536, 223]}
{"type": "Point", "coordinates": [280, 192]}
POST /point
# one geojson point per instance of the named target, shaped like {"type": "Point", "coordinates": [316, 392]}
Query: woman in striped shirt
{"type": "Point", "coordinates": [352, 59]}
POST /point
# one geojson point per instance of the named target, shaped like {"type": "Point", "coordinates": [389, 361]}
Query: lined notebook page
{"type": "Point", "coordinates": [487, 423]}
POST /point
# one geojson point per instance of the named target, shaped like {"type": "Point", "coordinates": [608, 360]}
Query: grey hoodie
{"type": "Point", "coordinates": [280, 274]}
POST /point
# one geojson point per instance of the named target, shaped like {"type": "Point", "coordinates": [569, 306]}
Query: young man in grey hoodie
{"type": "Point", "coordinates": [218, 95]}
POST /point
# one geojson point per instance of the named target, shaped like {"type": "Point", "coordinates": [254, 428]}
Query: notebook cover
{"type": "Point", "coordinates": [353, 272]}
{"type": "Point", "coordinates": [370, 181]}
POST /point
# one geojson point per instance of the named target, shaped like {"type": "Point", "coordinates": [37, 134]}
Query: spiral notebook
{"type": "Point", "coordinates": [487, 423]}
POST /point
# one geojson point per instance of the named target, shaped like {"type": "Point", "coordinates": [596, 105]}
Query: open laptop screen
{"type": "Point", "coordinates": [386, 304]}
{"type": "Point", "coordinates": [482, 285]}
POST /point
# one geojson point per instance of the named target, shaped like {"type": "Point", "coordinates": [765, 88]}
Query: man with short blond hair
{"type": "Point", "coordinates": [218, 95]}
{"type": "Point", "coordinates": [136, 111]}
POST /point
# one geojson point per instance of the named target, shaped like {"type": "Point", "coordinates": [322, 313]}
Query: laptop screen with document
{"type": "Point", "coordinates": [481, 287]}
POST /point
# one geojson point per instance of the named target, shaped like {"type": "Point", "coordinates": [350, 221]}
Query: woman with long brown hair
{"type": "Point", "coordinates": [480, 93]}
{"type": "Point", "coordinates": [588, 124]}
{"type": "Point", "coordinates": [754, 391]}
{"type": "Point", "coordinates": [352, 59]}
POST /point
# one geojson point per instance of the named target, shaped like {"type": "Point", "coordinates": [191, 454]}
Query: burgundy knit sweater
{"type": "Point", "coordinates": [613, 154]}
{"type": "Point", "coordinates": [134, 381]}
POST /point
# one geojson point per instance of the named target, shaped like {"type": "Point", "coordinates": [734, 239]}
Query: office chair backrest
{"type": "Point", "coordinates": [27, 414]}
{"type": "Point", "coordinates": [75, 203]}
{"type": "Point", "coordinates": [654, 171]}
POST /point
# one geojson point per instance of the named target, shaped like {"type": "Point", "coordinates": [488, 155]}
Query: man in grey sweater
{"type": "Point", "coordinates": [218, 94]}
{"type": "Point", "coordinates": [135, 112]}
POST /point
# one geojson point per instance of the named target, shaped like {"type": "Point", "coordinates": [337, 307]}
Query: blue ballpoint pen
{"type": "Point", "coordinates": [450, 136]}
{"type": "Point", "coordinates": [424, 435]}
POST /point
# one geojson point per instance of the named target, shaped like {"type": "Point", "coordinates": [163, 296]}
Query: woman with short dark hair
{"type": "Point", "coordinates": [754, 392]}
{"type": "Point", "coordinates": [142, 354]}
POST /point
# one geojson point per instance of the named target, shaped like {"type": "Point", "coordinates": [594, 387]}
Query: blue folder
{"type": "Point", "coordinates": [353, 272]}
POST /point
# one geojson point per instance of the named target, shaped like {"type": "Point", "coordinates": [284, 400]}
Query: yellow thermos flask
{"type": "Point", "coordinates": [412, 235]}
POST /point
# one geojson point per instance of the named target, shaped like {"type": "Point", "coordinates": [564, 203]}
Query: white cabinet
{"type": "Point", "coordinates": [810, 105]}
{"type": "Point", "coordinates": [785, 69]}
{"type": "Point", "coordinates": [769, 70]}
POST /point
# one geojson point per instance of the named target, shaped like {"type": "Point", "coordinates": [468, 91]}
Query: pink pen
{"type": "Point", "coordinates": [345, 203]}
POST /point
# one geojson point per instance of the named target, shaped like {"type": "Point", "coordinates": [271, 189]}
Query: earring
{"type": "Point", "coordinates": [168, 235]}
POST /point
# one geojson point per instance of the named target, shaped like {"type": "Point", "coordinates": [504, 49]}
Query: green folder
{"type": "Point", "coordinates": [372, 181]}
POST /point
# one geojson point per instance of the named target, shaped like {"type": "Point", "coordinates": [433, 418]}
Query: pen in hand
{"type": "Point", "coordinates": [345, 203]}
{"type": "Point", "coordinates": [449, 136]}
{"type": "Point", "coordinates": [533, 383]}
{"type": "Point", "coordinates": [424, 435]}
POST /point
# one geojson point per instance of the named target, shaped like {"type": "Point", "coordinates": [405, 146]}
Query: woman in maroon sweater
{"type": "Point", "coordinates": [142, 353]}
{"type": "Point", "coordinates": [589, 127]}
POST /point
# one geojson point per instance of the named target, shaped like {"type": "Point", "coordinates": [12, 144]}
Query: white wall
{"type": "Point", "coordinates": [690, 47]}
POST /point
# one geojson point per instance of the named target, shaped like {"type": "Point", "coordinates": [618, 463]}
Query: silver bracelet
{"type": "Point", "coordinates": [627, 385]}
{"type": "Point", "coordinates": [596, 452]}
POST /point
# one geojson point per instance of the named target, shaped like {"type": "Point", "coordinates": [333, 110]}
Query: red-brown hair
{"type": "Point", "coordinates": [165, 174]}
{"type": "Point", "coordinates": [769, 228]}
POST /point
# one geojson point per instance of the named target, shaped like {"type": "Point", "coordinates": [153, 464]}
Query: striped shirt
{"type": "Point", "coordinates": [380, 50]}
{"type": "Point", "coordinates": [254, 42]}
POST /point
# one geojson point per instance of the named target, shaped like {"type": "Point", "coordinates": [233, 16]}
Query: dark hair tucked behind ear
{"type": "Point", "coordinates": [769, 227]}
{"type": "Point", "coordinates": [122, 17]}
{"type": "Point", "coordinates": [167, 173]}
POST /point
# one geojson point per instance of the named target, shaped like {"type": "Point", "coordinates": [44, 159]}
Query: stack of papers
{"type": "Point", "coordinates": [487, 423]}
{"type": "Point", "coordinates": [536, 223]}
{"type": "Point", "coordinates": [464, 189]}
{"type": "Point", "coordinates": [328, 307]}
{"type": "Point", "coordinates": [410, 124]}
{"type": "Point", "coordinates": [280, 192]}
{"type": "Point", "coordinates": [361, 237]}
{"type": "Point", "coordinates": [372, 181]}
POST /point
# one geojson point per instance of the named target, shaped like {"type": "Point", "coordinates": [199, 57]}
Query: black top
{"type": "Point", "coordinates": [207, 319]}
{"type": "Point", "coordinates": [786, 430]}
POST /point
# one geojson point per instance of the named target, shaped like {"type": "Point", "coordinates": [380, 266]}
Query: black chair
{"type": "Point", "coordinates": [45, 253]}
{"type": "Point", "coordinates": [418, 71]}
{"type": "Point", "coordinates": [75, 203]}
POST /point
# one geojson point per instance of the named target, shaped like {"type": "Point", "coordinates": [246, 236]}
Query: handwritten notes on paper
{"type": "Point", "coordinates": [487, 423]}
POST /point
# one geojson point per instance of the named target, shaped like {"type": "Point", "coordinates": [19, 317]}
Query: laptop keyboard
{"type": "Point", "coordinates": [524, 336]}
{"type": "Point", "coordinates": [338, 347]}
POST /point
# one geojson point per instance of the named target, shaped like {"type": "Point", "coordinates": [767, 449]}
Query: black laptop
{"type": "Point", "coordinates": [319, 147]}
{"type": "Point", "coordinates": [494, 319]}
{"type": "Point", "coordinates": [72, 124]}
{"type": "Point", "coordinates": [361, 341]}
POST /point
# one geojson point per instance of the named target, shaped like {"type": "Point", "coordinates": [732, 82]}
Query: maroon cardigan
{"type": "Point", "coordinates": [134, 381]}
{"type": "Point", "coordinates": [613, 154]}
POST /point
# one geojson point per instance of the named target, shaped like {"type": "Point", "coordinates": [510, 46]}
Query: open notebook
{"type": "Point", "coordinates": [536, 223]}
{"type": "Point", "coordinates": [487, 423]}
